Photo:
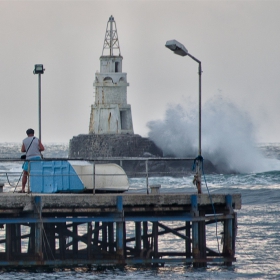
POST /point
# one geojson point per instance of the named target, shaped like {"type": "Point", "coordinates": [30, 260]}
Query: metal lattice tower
{"type": "Point", "coordinates": [111, 40]}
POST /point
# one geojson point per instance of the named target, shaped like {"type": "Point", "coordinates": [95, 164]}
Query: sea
{"type": "Point", "coordinates": [258, 235]}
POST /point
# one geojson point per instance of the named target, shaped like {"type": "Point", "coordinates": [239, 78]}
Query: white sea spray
{"type": "Point", "coordinates": [228, 135]}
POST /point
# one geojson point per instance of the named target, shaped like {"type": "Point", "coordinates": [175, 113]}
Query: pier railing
{"type": "Point", "coordinates": [70, 229]}
{"type": "Point", "coordinates": [145, 167]}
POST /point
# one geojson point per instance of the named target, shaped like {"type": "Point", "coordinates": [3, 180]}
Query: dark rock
{"type": "Point", "coordinates": [92, 146]}
{"type": "Point", "coordinates": [87, 146]}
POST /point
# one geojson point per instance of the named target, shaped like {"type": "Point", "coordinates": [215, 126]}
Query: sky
{"type": "Point", "coordinates": [236, 41]}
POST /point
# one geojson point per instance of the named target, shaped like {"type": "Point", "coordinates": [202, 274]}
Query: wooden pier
{"type": "Point", "coordinates": [116, 229]}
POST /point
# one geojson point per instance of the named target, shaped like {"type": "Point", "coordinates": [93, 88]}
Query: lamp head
{"type": "Point", "coordinates": [176, 47]}
{"type": "Point", "coordinates": [39, 69]}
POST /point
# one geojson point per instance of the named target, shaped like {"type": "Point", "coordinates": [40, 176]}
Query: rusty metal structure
{"type": "Point", "coordinates": [111, 40]}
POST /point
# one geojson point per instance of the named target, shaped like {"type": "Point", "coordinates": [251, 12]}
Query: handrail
{"type": "Point", "coordinates": [107, 159]}
{"type": "Point", "coordinates": [146, 173]}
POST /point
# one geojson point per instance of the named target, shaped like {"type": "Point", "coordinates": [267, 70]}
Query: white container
{"type": "Point", "coordinates": [109, 177]}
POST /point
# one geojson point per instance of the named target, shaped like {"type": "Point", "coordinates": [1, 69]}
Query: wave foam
{"type": "Point", "coordinates": [228, 136]}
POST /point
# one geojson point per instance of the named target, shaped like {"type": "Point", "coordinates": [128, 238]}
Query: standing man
{"type": "Point", "coordinates": [33, 148]}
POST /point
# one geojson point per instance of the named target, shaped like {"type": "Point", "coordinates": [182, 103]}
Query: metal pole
{"type": "Point", "coordinates": [111, 37]}
{"type": "Point", "coordinates": [199, 101]}
{"type": "Point", "coordinates": [199, 159]}
{"type": "Point", "coordinates": [39, 105]}
{"type": "Point", "coordinates": [38, 229]}
{"type": "Point", "coordinates": [28, 178]}
{"type": "Point", "coordinates": [119, 228]}
{"type": "Point", "coordinates": [197, 179]}
{"type": "Point", "coordinates": [147, 176]}
{"type": "Point", "coordinates": [93, 179]}
{"type": "Point", "coordinates": [195, 233]}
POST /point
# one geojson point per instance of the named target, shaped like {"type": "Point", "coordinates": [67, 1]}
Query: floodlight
{"type": "Point", "coordinates": [39, 69]}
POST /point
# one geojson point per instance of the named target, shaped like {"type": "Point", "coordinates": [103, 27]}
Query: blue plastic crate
{"type": "Point", "coordinates": [53, 177]}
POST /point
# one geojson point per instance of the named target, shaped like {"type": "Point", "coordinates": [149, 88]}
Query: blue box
{"type": "Point", "coordinates": [53, 177]}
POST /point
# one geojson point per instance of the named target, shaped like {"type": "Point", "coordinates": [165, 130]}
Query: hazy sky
{"type": "Point", "coordinates": [237, 41]}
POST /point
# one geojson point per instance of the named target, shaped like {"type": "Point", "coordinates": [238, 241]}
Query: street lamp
{"type": "Point", "coordinates": [39, 69]}
{"type": "Point", "coordinates": [180, 49]}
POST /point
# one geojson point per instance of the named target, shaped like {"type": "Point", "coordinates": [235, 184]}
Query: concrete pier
{"type": "Point", "coordinates": [108, 229]}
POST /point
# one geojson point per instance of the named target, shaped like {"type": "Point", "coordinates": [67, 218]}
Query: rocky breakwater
{"type": "Point", "coordinates": [92, 146]}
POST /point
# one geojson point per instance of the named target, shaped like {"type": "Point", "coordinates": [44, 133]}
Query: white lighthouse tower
{"type": "Point", "coordinates": [110, 128]}
{"type": "Point", "coordinates": [110, 114]}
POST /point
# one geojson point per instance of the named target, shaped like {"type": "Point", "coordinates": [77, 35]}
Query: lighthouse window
{"type": "Point", "coordinates": [124, 123]}
{"type": "Point", "coordinates": [117, 64]}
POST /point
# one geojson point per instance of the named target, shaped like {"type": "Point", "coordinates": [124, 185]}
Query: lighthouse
{"type": "Point", "coordinates": [110, 127]}
{"type": "Point", "coordinates": [110, 113]}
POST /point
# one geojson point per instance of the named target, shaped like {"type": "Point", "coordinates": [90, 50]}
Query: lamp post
{"type": "Point", "coordinates": [180, 49]}
{"type": "Point", "coordinates": [39, 69]}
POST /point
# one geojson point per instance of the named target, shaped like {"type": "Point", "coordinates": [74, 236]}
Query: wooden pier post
{"type": "Point", "coordinates": [89, 240]}
{"type": "Point", "coordinates": [104, 242]}
{"type": "Point", "coordinates": [38, 229]}
{"type": "Point", "coordinates": [228, 232]}
{"type": "Point", "coordinates": [8, 242]}
{"type": "Point", "coordinates": [188, 240]}
{"type": "Point", "coordinates": [17, 238]}
{"type": "Point", "coordinates": [111, 237]}
{"type": "Point", "coordinates": [96, 233]}
{"type": "Point", "coordinates": [202, 239]}
{"type": "Point", "coordinates": [120, 228]}
{"type": "Point", "coordinates": [138, 238]}
{"type": "Point", "coordinates": [62, 242]}
{"type": "Point", "coordinates": [124, 241]}
{"type": "Point", "coordinates": [31, 240]}
{"type": "Point", "coordinates": [146, 244]}
{"type": "Point", "coordinates": [49, 241]}
{"type": "Point", "coordinates": [75, 240]}
{"type": "Point", "coordinates": [13, 240]}
{"type": "Point", "coordinates": [195, 234]}
{"type": "Point", "coordinates": [155, 237]}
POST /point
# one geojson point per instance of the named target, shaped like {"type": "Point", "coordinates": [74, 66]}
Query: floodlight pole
{"type": "Point", "coordinates": [39, 104]}
{"type": "Point", "coordinates": [199, 101]}
{"type": "Point", "coordinates": [39, 69]}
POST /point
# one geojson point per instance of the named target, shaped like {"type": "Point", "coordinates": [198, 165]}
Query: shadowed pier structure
{"type": "Point", "coordinates": [111, 229]}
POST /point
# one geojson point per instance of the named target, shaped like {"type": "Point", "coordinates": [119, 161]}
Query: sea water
{"type": "Point", "coordinates": [258, 234]}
